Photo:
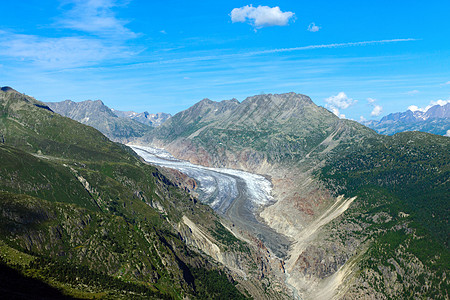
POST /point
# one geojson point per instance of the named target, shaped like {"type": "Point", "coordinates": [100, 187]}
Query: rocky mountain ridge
{"type": "Point", "coordinates": [144, 117]}
{"type": "Point", "coordinates": [98, 115]}
{"type": "Point", "coordinates": [435, 119]}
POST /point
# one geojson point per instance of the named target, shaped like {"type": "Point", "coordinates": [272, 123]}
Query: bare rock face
{"type": "Point", "coordinates": [99, 116]}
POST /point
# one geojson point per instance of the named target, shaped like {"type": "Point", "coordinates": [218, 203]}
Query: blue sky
{"type": "Point", "coordinates": [357, 58]}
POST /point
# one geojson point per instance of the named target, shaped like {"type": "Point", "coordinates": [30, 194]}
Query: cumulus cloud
{"type": "Point", "coordinates": [440, 102]}
{"type": "Point", "coordinates": [313, 27]}
{"type": "Point", "coordinates": [261, 16]}
{"type": "Point", "coordinates": [95, 17]}
{"type": "Point", "coordinates": [339, 101]}
{"type": "Point", "coordinates": [448, 133]}
{"type": "Point", "coordinates": [377, 109]}
{"type": "Point", "coordinates": [336, 111]}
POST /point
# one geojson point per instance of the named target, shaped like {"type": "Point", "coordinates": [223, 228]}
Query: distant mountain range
{"type": "Point", "coordinates": [435, 119]}
{"type": "Point", "coordinates": [117, 125]}
{"type": "Point", "coordinates": [144, 117]}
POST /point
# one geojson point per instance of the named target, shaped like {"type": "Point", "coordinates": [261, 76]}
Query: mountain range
{"type": "Point", "coordinates": [435, 119]}
{"type": "Point", "coordinates": [117, 125]}
{"type": "Point", "coordinates": [144, 117]}
{"type": "Point", "coordinates": [366, 214]}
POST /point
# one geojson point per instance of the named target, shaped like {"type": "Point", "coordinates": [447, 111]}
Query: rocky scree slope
{"type": "Point", "coordinates": [86, 216]}
{"type": "Point", "coordinates": [358, 206]}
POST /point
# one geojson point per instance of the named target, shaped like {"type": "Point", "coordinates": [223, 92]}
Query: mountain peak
{"type": "Point", "coordinates": [206, 101]}
{"type": "Point", "coordinates": [97, 102]}
{"type": "Point", "coordinates": [8, 89]}
{"type": "Point", "coordinates": [289, 103]}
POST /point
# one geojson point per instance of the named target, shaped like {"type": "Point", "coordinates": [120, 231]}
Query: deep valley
{"type": "Point", "coordinates": [273, 197]}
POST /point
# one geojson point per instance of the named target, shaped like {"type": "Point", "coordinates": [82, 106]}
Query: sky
{"type": "Point", "coordinates": [359, 59]}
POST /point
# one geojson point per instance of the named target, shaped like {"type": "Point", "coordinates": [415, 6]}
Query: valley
{"type": "Point", "coordinates": [238, 195]}
{"type": "Point", "coordinates": [212, 150]}
{"type": "Point", "coordinates": [274, 197]}
{"type": "Point", "coordinates": [339, 190]}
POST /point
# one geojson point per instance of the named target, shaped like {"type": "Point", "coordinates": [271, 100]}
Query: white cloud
{"type": "Point", "coordinates": [446, 83]}
{"type": "Point", "coordinates": [95, 17]}
{"type": "Point", "coordinates": [414, 108]}
{"type": "Point", "coordinates": [330, 46]}
{"type": "Point", "coordinates": [335, 111]}
{"type": "Point", "coordinates": [440, 102]}
{"type": "Point", "coordinates": [261, 16]}
{"type": "Point", "coordinates": [377, 109]}
{"type": "Point", "coordinates": [104, 38]}
{"type": "Point", "coordinates": [448, 133]}
{"type": "Point", "coordinates": [64, 52]}
{"type": "Point", "coordinates": [313, 27]}
{"type": "Point", "coordinates": [340, 101]}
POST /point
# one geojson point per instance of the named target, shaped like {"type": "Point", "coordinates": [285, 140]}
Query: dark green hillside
{"type": "Point", "coordinates": [402, 184]}
{"type": "Point", "coordinates": [77, 212]}
{"type": "Point", "coordinates": [26, 174]}
{"type": "Point", "coordinates": [413, 167]}
{"type": "Point", "coordinates": [34, 129]}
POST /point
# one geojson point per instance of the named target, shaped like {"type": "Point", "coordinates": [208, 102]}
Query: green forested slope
{"type": "Point", "coordinates": [402, 184]}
